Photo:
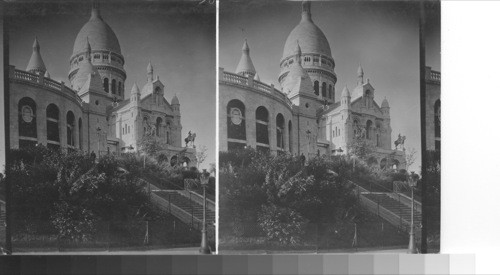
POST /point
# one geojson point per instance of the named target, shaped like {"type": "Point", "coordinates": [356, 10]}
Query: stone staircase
{"type": "Point", "coordinates": [394, 208]}
{"type": "Point", "coordinates": [190, 206]}
{"type": "Point", "coordinates": [185, 205]}
{"type": "Point", "coordinates": [398, 208]}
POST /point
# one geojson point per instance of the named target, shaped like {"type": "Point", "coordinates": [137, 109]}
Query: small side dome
{"type": "Point", "coordinates": [256, 77]}
{"type": "Point", "coordinates": [175, 100]}
{"type": "Point", "coordinates": [135, 89]}
{"type": "Point", "coordinates": [36, 64]}
{"type": "Point", "coordinates": [345, 92]}
{"type": "Point", "coordinates": [149, 69]}
{"type": "Point", "coordinates": [245, 66]}
{"type": "Point", "coordinates": [360, 70]}
{"type": "Point", "coordinates": [385, 103]}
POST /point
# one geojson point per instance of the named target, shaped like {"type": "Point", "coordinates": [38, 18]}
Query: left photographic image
{"type": "Point", "coordinates": [111, 127]}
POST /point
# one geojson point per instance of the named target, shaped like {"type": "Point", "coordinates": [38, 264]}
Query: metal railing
{"type": "Point", "coordinates": [390, 214]}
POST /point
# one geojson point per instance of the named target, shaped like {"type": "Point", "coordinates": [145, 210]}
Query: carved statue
{"type": "Point", "coordinates": [400, 141]}
{"type": "Point", "coordinates": [360, 132]}
{"type": "Point", "coordinates": [190, 138]}
{"type": "Point", "coordinates": [150, 131]}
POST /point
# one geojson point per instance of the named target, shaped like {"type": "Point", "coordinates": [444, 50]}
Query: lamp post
{"type": "Point", "coordinates": [412, 249]}
{"type": "Point", "coordinates": [204, 248]}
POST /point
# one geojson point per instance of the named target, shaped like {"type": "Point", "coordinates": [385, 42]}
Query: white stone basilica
{"type": "Point", "coordinates": [306, 117]}
{"type": "Point", "coordinates": [91, 113]}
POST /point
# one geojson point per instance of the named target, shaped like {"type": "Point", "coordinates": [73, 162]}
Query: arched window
{"type": "Point", "coordinates": [236, 131]}
{"type": "Point", "coordinates": [395, 164]}
{"type": "Point", "coordinates": [290, 143]}
{"type": "Point", "coordinates": [330, 92]}
{"type": "Point", "coordinates": [120, 88]}
{"type": "Point", "coordinates": [368, 128]}
{"type": "Point", "coordinates": [52, 123]}
{"type": "Point", "coordinates": [379, 130]}
{"type": "Point", "coordinates": [157, 95]}
{"type": "Point", "coordinates": [80, 133]}
{"type": "Point", "coordinates": [323, 89]}
{"type": "Point", "coordinates": [437, 118]}
{"type": "Point", "coordinates": [355, 128]}
{"type": "Point", "coordinates": [173, 161]}
{"type": "Point", "coordinates": [27, 122]}
{"type": "Point", "coordinates": [145, 123]}
{"type": "Point", "coordinates": [185, 161]}
{"type": "Point", "coordinates": [262, 122]}
{"type": "Point", "coordinates": [316, 87]}
{"type": "Point", "coordinates": [158, 126]}
{"type": "Point", "coordinates": [383, 163]}
{"type": "Point", "coordinates": [106, 85]}
{"type": "Point", "coordinates": [168, 132]}
{"type": "Point", "coordinates": [280, 127]}
{"type": "Point", "coordinates": [113, 86]}
{"type": "Point", "coordinates": [70, 128]}
{"type": "Point", "coordinates": [372, 161]}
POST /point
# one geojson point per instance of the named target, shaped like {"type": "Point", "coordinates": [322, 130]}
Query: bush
{"type": "Point", "coordinates": [282, 225]}
{"type": "Point", "coordinates": [71, 192]}
{"type": "Point", "coordinates": [283, 186]}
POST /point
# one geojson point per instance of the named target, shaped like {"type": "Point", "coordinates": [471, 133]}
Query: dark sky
{"type": "Point", "coordinates": [382, 36]}
{"type": "Point", "coordinates": [178, 39]}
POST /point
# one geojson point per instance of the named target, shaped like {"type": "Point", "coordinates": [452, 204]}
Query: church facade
{"type": "Point", "coordinates": [306, 116]}
{"type": "Point", "coordinates": [90, 112]}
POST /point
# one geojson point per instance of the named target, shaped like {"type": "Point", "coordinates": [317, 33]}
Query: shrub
{"type": "Point", "coordinates": [282, 225]}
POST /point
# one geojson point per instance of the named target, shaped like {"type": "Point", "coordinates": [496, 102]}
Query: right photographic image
{"type": "Point", "coordinates": [329, 127]}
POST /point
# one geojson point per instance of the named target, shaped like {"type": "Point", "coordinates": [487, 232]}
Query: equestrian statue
{"type": "Point", "coordinates": [400, 141]}
{"type": "Point", "coordinates": [190, 138]}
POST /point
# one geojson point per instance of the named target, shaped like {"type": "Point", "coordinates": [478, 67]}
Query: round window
{"type": "Point", "coordinates": [236, 116]}
{"type": "Point", "coordinates": [27, 114]}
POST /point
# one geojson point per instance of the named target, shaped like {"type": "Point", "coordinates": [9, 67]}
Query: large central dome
{"type": "Point", "coordinates": [100, 35]}
{"type": "Point", "coordinates": [309, 36]}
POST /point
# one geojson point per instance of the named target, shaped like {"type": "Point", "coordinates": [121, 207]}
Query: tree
{"type": "Point", "coordinates": [150, 145]}
{"type": "Point", "coordinates": [201, 155]}
{"type": "Point", "coordinates": [410, 157]}
{"type": "Point", "coordinates": [213, 168]}
{"type": "Point", "coordinates": [276, 190]}
{"type": "Point", "coordinates": [361, 148]}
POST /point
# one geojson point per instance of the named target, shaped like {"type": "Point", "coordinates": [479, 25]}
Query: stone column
{"type": "Point", "coordinates": [285, 137]}
{"type": "Point", "coordinates": [251, 130]}
{"type": "Point", "coordinates": [272, 133]}
{"type": "Point", "coordinates": [62, 126]}
{"type": "Point", "coordinates": [41, 124]}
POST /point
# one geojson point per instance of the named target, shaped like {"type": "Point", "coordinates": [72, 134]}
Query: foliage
{"type": "Point", "coordinates": [72, 193]}
{"type": "Point", "coordinates": [201, 154]}
{"type": "Point", "coordinates": [361, 148]}
{"type": "Point", "coordinates": [433, 195]}
{"type": "Point", "coordinates": [282, 224]}
{"type": "Point", "coordinates": [151, 145]}
{"type": "Point", "coordinates": [410, 157]}
{"type": "Point", "coordinates": [253, 183]}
